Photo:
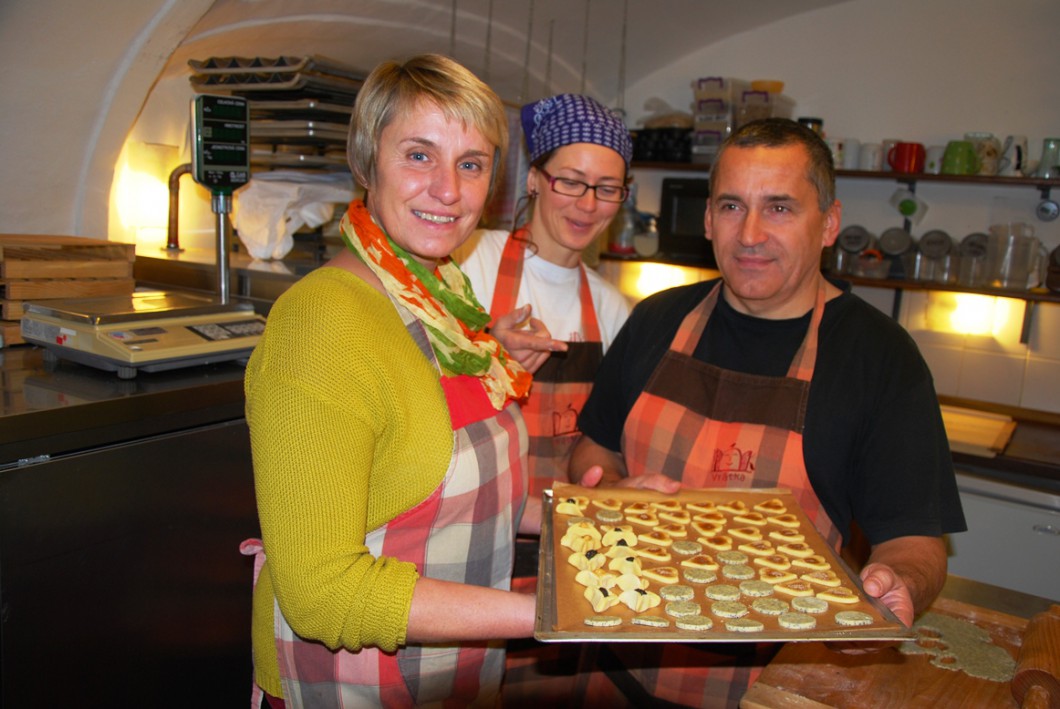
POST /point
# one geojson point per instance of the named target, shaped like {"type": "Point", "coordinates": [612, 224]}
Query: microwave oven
{"type": "Point", "coordinates": [682, 205]}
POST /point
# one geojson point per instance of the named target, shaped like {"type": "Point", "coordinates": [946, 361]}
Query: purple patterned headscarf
{"type": "Point", "coordinates": [572, 118]}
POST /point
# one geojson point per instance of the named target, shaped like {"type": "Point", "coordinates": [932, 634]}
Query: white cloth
{"type": "Point", "coordinates": [551, 289]}
{"type": "Point", "coordinates": [274, 205]}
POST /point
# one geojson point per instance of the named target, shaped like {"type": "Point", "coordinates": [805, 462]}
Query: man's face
{"type": "Point", "coordinates": [768, 230]}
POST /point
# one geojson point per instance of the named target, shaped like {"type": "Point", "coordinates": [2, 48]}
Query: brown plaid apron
{"type": "Point", "coordinates": [462, 532]}
{"type": "Point", "coordinates": [562, 385]}
{"type": "Point", "coordinates": [711, 427]}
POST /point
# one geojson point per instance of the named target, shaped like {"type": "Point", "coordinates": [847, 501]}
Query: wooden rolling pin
{"type": "Point", "coordinates": [1036, 683]}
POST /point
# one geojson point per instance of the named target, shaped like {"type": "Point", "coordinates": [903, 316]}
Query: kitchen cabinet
{"type": "Point", "coordinates": [122, 507]}
{"type": "Point", "coordinates": [899, 286]}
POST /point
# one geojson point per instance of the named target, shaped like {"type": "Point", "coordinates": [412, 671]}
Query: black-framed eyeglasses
{"type": "Point", "coordinates": [576, 188]}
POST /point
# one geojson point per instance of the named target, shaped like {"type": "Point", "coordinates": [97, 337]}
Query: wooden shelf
{"type": "Point", "coordinates": [1038, 295]}
{"type": "Point", "coordinates": [1043, 185]}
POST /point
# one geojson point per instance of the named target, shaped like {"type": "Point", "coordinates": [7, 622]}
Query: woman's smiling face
{"type": "Point", "coordinates": [431, 182]}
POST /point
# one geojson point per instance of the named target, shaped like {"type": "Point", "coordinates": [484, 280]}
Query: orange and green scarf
{"type": "Point", "coordinates": [444, 303]}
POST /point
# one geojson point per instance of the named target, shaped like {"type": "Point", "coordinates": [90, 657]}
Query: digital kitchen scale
{"type": "Point", "coordinates": [149, 330]}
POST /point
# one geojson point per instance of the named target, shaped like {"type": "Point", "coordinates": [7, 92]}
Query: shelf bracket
{"type": "Point", "coordinates": [896, 304]}
{"type": "Point", "coordinates": [1045, 190]}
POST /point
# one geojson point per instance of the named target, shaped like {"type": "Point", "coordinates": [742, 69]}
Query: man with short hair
{"type": "Point", "coordinates": [774, 376]}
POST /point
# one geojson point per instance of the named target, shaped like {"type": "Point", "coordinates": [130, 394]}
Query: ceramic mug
{"type": "Point", "coordinates": [960, 158]}
{"type": "Point", "coordinates": [851, 154]}
{"type": "Point", "coordinates": [885, 149]}
{"type": "Point", "coordinates": [906, 158]}
{"type": "Point", "coordinates": [988, 148]}
{"type": "Point", "coordinates": [1013, 156]}
{"type": "Point", "coordinates": [870, 157]}
{"type": "Point", "coordinates": [933, 159]}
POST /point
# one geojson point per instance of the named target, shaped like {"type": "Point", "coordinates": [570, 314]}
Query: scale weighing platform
{"type": "Point", "coordinates": [150, 330]}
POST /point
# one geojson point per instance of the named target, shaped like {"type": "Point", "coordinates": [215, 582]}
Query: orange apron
{"type": "Point", "coordinates": [562, 385]}
{"type": "Point", "coordinates": [711, 427]}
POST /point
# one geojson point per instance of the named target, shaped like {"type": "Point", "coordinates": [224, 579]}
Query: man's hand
{"type": "Point", "coordinates": [880, 581]}
{"type": "Point", "coordinates": [527, 339]}
{"type": "Point", "coordinates": [653, 481]}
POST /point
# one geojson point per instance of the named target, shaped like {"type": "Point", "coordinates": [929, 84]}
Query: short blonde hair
{"type": "Point", "coordinates": [393, 87]}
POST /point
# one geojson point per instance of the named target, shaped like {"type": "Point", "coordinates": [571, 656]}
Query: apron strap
{"type": "Point", "coordinates": [510, 276]}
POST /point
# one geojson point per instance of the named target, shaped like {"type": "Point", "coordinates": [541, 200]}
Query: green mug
{"type": "Point", "coordinates": [960, 158]}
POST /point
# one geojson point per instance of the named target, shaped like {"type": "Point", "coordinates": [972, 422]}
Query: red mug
{"type": "Point", "coordinates": [906, 157]}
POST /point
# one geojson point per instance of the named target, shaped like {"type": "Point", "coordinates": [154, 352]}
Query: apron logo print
{"type": "Point", "coordinates": [733, 463]}
{"type": "Point", "coordinates": [565, 423]}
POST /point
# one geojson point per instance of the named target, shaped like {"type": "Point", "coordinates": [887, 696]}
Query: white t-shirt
{"type": "Point", "coordinates": [551, 289]}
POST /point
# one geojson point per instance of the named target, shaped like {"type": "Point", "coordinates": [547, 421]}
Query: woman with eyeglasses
{"type": "Point", "coordinates": [579, 162]}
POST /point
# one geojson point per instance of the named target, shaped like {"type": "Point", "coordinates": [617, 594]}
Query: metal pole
{"type": "Point", "coordinates": [222, 207]}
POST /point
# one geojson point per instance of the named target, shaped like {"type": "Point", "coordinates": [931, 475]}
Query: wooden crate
{"type": "Point", "coordinates": [46, 267]}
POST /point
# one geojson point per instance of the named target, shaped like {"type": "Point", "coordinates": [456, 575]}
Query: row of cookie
{"type": "Point", "coordinates": [697, 622]}
{"type": "Point", "coordinates": [579, 504]}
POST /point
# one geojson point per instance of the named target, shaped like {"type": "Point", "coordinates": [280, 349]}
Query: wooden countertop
{"type": "Point", "coordinates": [812, 676]}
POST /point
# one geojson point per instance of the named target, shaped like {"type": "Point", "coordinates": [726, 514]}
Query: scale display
{"type": "Point", "coordinates": [221, 139]}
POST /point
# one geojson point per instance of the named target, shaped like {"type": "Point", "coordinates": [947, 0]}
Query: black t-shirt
{"type": "Point", "coordinates": [874, 443]}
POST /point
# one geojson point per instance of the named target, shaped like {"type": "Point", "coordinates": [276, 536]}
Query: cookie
{"type": "Point", "coordinates": [756, 589]}
{"type": "Point", "coordinates": [737, 571]}
{"type": "Point", "coordinates": [784, 520]}
{"type": "Point", "coordinates": [618, 534]}
{"type": "Point", "coordinates": [603, 621]}
{"type": "Point", "coordinates": [590, 559]}
{"type": "Point", "coordinates": [596, 577]}
{"type": "Point", "coordinates": [675, 517]}
{"type": "Point", "coordinates": [644, 519]}
{"type": "Point", "coordinates": [853, 618]}
{"type": "Point", "coordinates": [600, 598]}
{"type": "Point", "coordinates": [717, 542]}
{"type": "Point", "coordinates": [686, 548]}
{"type": "Point", "coordinates": [666, 505]}
{"type": "Point", "coordinates": [723, 592]}
{"type": "Point", "coordinates": [797, 621]}
{"type": "Point", "coordinates": [652, 621]}
{"type": "Point", "coordinates": [752, 534]}
{"type": "Point", "coordinates": [639, 600]}
{"type": "Point", "coordinates": [729, 609]}
{"type": "Point", "coordinates": [776, 576]}
{"type": "Point", "coordinates": [628, 564]}
{"type": "Point", "coordinates": [794, 588]}
{"type": "Point", "coordinates": [682, 609]}
{"type": "Point", "coordinates": [578, 530]}
{"type": "Point", "coordinates": [672, 529]}
{"type": "Point", "coordinates": [699, 575]}
{"type": "Point", "coordinates": [662, 574]}
{"type": "Point", "coordinates": [695, 622]}
{"type": "Point", "coordinates": [756, 518]}
{"type": "Point", "coordinates": [770, 606]}
{"type": "Point", "coordinates": [787, 536]}
{"type": "Point", "coordinates": [572, 505]}
{"type": "Point", "coordinates": [677, 592]}
{"type": "Point", "coordinates": [774, 506]}
{"type": "Point", "coordinates": [731, 557]}
{"type": "Point", "coordinates": [813, 562]}
{"type": "Point", "coordinates": [759, 548]}
{"type": "Point", "coordinates": [654, 553]}
{"type": "Point", "coordinates": [744, 625]}
{"type": "Point", "coordinates": [608, 504]}
{"type": "Point", "coordinates": [809, 604]}
{"type": "Point", "coordinates": [735, 507]}
{"type": "Point", "coordinates": [629, 580]}
{"type": "Point", "coordinates": [826, 578]}
{"type": "Point", "coordinates": [707, 529]}
{"type": "Point", "coordinates": [703, 506]}
{"type": "Point", "coordinates": [655, 538]}
{"type": "Point", "coordinates": [609, 516]}
{"type": "Point", "coordinates": [774, 561]}
{"type": "Point", "coordinates": [701, 561]}
{"type": "Point", "coordinates": [841, 594]}
{"type": "Point", "coordinates": [800, 550]}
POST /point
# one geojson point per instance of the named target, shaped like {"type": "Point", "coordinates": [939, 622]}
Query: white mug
{"type": "Point", "coordinates": [885, 149]}
{"type": "Point", "coordinates": [933, 159]}
{"type": "Point", "coordinates": [837, 146]}
{"type": "Point", "coordinates": [1013, 156]}
{"type": "Point", "coordinates": [851, 154]}
{"type": "Point", "coordinates": [870, 157]}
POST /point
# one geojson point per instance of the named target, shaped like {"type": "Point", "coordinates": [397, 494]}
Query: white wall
{"type": "Point", "coordinates": [925, 71]}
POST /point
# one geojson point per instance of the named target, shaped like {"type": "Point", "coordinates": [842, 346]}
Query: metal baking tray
{"type": "Point", "coordinates": [886, 626]}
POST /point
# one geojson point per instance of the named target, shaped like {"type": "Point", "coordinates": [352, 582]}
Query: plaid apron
{"type": "Point", "coordinates": [463, 532]}
{"type": "Point", "coordinates": [711, 427]}
{"type": "Point", "coordinates": [562, 384]}
{"type": "Point", "coordinates": [537, 671]}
